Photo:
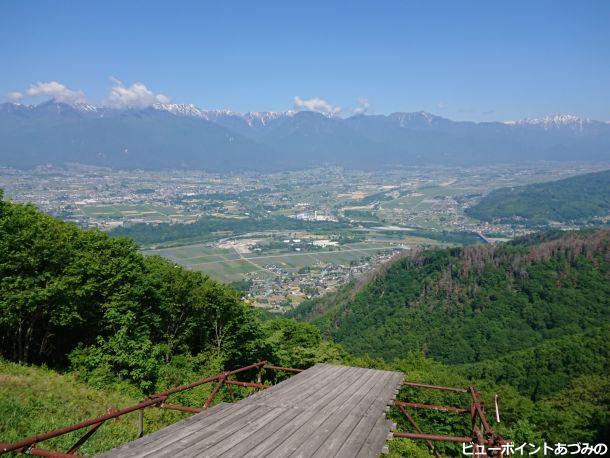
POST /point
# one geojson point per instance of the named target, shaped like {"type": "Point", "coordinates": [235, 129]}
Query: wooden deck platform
{"type": "Point", "coordinates": [324, 411]}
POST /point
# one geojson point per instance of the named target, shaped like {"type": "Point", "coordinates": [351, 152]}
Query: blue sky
{"type": "Point", "coordinates": [486, 60]}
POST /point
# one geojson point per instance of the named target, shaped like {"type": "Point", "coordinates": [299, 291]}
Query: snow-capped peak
{"type": "Point", "coordinates": [404, 119]}
{"type": "Point", "coordinates": [179, 109]}
{"type": "Point", "coordinates": [85, 107]}
{"type": "Point", "coordinates": [552, 121]}
{"type": "Point", "coordinates": [264, 117]}
{"type": "Point", "coordinates": [253, 117]}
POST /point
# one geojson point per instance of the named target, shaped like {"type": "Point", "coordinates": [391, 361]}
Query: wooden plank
{"type": "Point", "coordinates": [340, 423]}
{"type": "Point", "coordinates": [192, 435]}
{"type": "Point", "coordinates": [336, 437]}
{"type": "Point", "coordinates": [162, 441]}
{"type": "Point", "coordinates": [338, 396]}
{"type": "Point", "coordinates": [373, 428]}
{"type": "Point", "coordinates": [341, 388]}
{"type": "Point", "coordinates": [292, 390]}
{"type": "Point", "coordinates": [273, 437]}
{"type": "Point", "coordinates": [156, 441]}
{"type": "Point", "coordinates": [340, 406]}
{"type": "Point", "coordinates": [365, 427]}
{"type": "Point", "coordinates": [294, 381]}
{"type": "Point", "coordinates": [250, 442]}
{"type": "Point", "coordinates": [375, 442]}
{"type": "Point", "coordinates": [134, 447]}
{"type": "Point", "coordinates": [198, 445]}
{"type": "Point", "coordinates": [250, 432]}
{"type": "Point", "coordinates": [316, 389]}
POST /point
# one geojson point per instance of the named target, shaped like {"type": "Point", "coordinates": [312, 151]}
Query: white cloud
{"type": "Point", "coordinates": [14, 96]}
{"type": "Point", "coordinates": [161, 98]}
{"type": "Point", "coordinates": [56, 91]}
{"type": "Point", "coordinates": [135, 96]}
{"type": "Point", "coordinates": [316, 104]}
{"type": "Point", "coordinates": [363, 106]}
{"type": "Point", "coordinates": [441, 105]}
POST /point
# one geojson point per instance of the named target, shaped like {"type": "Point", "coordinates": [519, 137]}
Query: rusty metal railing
{"type": "Point", "coordinates": [482, 436]}
{"type": "Point", "coordinates": [28, 445]}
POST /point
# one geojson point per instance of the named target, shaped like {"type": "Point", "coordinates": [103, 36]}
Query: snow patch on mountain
{"type": "Point", "coordinates": [553, 121]}
{"type": "Point", "coordinates": [251, 118]}
{"type": "Point", "coordinates": [264, 117]}
{"type": "Point", "coordinates": [404, 119]}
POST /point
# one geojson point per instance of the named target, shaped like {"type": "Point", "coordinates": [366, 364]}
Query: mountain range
{"type": "Point", "coordinates": [185, 136]}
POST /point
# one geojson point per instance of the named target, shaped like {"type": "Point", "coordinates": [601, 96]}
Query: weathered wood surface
{"type": "Point", "coordinates": [325, 411]}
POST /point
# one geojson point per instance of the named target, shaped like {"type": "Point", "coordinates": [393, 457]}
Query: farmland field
{"type": "Point", "coordinates": [228, 265]}
{"type": "Point", "coordinates": [140, 212]}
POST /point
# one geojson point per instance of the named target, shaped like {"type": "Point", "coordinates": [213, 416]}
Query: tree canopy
{"type": "Point", "coordinates": [573, 199]}
{"type": "Point", "coordinates": [79, 298]}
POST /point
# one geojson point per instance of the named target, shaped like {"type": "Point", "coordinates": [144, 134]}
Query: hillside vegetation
{"type": "Point", "coordinates": [573, 199]}
{"type": "Point", "coordinates": [80, 299]}
{"type": "Point", "coordinates": [33, 400]}
{"type": "Point", "coordinates": [530, 316]}
{"type": "Point", "coordinates": [86, 323]}
{"type": "Point", "coordinates": [474, 303]}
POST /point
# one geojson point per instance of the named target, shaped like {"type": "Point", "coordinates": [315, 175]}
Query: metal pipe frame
{"type": "Point", "coordinates": [432, 437]}
{"type": "Point", "coordinates": [482, 435]}
{"type": "Point", "coordinates": [435, 387]}
{"type": "Point", "coordinates": [27, 445]}
{"type": "Point", "coordinates": [417, 405]}
{"type": "Point", "coordinates": [278, 368]}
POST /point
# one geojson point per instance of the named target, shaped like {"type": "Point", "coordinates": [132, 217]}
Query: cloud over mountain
{"type": "Point", "coordinates": [363, 107]}
{"type": "Point", "coordinates": [135, 96]}
{"type": "Point", "coordinates": [120, 96]}
{"type": "Point", "coordinates": [316, 104]}
{"type": "Point", "coordinates": [14, 96]}
{"type": "Point", "coordinates": [57, 91]}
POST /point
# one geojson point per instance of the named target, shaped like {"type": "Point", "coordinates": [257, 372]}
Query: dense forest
{"type": "Point", "coordinates": [85, 319]}
{"type": "Point", "coordinates": [578, 199]}
{"type": "Point", "coordinates": [473, 303]}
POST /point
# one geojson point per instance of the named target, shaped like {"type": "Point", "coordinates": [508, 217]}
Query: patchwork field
{"type": "Point", "coordinates": [228, 265]}
{"type": "Point", "coordinates": [141, 212]}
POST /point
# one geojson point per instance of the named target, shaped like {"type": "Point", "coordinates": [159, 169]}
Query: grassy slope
{"type": "Point", "coordinates": [35, 400]}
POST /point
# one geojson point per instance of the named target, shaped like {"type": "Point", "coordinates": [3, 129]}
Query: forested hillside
{"type": "Point", "coordinates": [573, 199]}
{"type": "Point", "coordinates": [474, 303]}
{"type": "Point", "coordinates": [550, 366]}
{"type": "Point", "coordinates": [115, 325]}
{"type": "Point", "coordinates": [79, 299]}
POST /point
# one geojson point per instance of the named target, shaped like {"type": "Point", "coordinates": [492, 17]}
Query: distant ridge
{"type": "Point", "coordinates": [575, 199]}
{"type": "Point", "coordinates": [183, 135]}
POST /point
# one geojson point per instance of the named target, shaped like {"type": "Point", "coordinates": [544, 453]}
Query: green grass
{"type": "Point", "coordinates": [35, 400]}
